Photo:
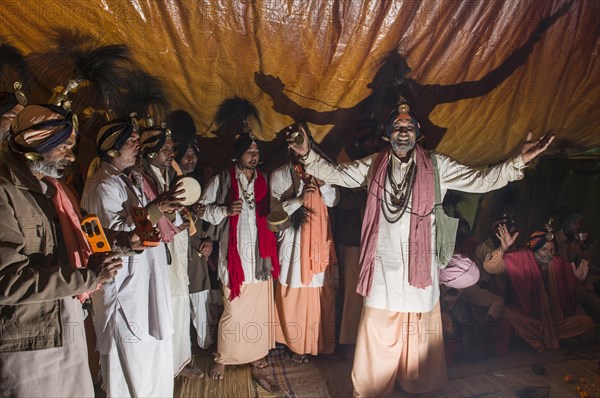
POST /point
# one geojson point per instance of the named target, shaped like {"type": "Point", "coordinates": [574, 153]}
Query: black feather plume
{"type": "Point", "coordinates": [300, 217]}
{"type": "Point", "coordinates": [145, 95]}
{"type": "Point", "coordinates": [390, 83]}
{"type": "Point", "coordinates": [12, 66]}
{"type": "Point", "coordinates": [79, 56]}
{"type": "Point", "coordinates": [237, 110]}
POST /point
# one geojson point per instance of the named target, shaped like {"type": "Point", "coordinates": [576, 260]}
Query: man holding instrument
{"type": "Point", "coordinates": [400, 335]}
{"type": "Point", "coordinates": [160, 170]}
{"type": "Point", "coordinates": [132, 313]}
{"type": "Point", "coordinates": [304, 294]}
{"type": "Point", "coordinates": [44, 261]}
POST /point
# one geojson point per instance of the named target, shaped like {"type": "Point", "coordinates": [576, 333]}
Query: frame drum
{"type": "Point", "coordinates": [192, 190]}
{"type": "Point", "coordinates": [278, 221]}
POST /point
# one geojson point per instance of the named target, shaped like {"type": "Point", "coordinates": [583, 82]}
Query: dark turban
{"type": "Point", "coordinates": [40, 128]}
{"type": "Point", "coordinates": [242, 143]}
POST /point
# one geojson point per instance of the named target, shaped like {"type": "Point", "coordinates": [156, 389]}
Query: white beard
{"type": "Point", "coordinates": [50, 169]}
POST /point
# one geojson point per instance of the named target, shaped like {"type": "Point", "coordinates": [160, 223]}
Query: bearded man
{"type": "Point", "coordinates": [44, 261]}
{"type": "Point", "coordinates": [399, 336]}
{"type": "Point", "coordinates": [237, 203]}
{"type": "Point", "coordinates": [542, 284]}
{"type": "Point", "coordinates": [132, 313]}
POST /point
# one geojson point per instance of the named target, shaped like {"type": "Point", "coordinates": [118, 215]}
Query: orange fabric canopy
{"type": "Point", "coordinates": [485, 71]}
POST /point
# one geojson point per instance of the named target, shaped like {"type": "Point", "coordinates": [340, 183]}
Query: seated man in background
{"type": "Point", "coordinates": [494, 283]}
{"type": "Point", "coordinates": [572, 245]}
{"type": "Point", "coordinates": [542, 288]}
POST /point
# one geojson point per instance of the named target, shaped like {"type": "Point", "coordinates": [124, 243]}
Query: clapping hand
{"type": "Point", "coordinates": [198, 209]}
{"type": "Point", "coordinates": [506, 239]}
{"type": "Point", "coordinates": [581, 271]}
{"type": "Point", "coordinates": [170, 201]}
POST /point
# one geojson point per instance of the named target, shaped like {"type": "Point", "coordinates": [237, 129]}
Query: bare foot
{"type": "Point", "coordinates": [261, 363]}
{"type": "Point", "coordinates": [217, 372]}
{"type": "Point", "coordinates": [191, 373]}
{"type": "Point", "coordinates": [300, 358]}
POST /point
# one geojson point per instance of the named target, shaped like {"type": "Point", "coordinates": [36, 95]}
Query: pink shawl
{"type": "Point", "coordinates": [69, 217]}
{"type": "Point", "coordinates": [164, 225]}
{"type": "Point", "coordinates": [423, 197]}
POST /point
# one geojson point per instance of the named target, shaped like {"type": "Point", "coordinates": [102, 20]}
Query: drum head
{"type": "Point", "coordinates": [192, 190]}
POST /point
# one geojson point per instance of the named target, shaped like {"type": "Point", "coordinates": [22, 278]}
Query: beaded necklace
{"type": "Point", "coordinates": [246, 196]}
{"type": "Point", "coordinates": [394, 203]}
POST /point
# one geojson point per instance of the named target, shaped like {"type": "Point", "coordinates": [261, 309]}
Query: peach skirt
{"type": "Point", "coordinates": [246, 328]}
{"type": "Point", "coordinates": [399, 346]}
{"type": "Point", "coordinates": [305, 319]}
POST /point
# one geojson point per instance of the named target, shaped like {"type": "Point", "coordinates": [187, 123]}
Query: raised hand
{"type": "Point", "coordinates": [506, 239]}
{"type": "Point", "coordinates": [170, 201]}
{"type": "Point", "coordinates": [533, 148]}
{"type": "Point", "coordinates": [581, 271]}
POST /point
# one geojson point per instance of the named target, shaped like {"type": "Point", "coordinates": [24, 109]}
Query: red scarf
{"type": "Point", "coordinates": [69, 217]}
{"type": "Point", "coordinates": [423, 197]}
{"type": "Point", "coordinates": [267, 244]}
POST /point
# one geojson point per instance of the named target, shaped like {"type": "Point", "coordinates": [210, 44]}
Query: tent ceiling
{"type": "Point", "coordinates": [484, 71]}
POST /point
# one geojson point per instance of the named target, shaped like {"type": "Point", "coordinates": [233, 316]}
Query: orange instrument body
{"type": "Point", "coordinates": [94, 233]}
{"type": "Point", "coordinates": [143, 227]}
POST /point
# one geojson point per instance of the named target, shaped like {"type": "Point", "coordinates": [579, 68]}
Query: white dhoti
{"type": "Point", "coordinates": [178, 280]}
{"type": "Point", "coordinates": [182, 349]}
{"type": "Point", "coordinates": [206, 307]}
{"type": "Point", "coordinates": [134, 368]}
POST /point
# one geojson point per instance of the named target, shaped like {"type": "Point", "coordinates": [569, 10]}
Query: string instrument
{"type": "Point", "coordinates": [94, 233]}
{"type": "Point", "coordinates": [143, 227]}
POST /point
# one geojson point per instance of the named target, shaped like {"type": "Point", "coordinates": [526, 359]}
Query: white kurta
{"type": "Point", "coordinates": [288, 241]}
{"type": "Point", "coordinates": [137, 302]}
{"type": "Point", "coordinates": [391, 290]}
{"type": "Point", "coordinates": [246, 229]}
{"type": "Point", "coordinates": [178, 248]}
{"type": "Point", "coordinates": [178, 278]}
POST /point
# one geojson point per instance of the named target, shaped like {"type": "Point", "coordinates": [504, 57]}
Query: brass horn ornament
{"type": "Point", "coordinates": [293, 134]}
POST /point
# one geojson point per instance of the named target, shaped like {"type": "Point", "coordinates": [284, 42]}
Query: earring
{"type": "Point", "coordinates": [19, 94]}
{"type": "Point", "coordinates": [113, 153]}
{"type": "Point", "coordinates": [34, 156]}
